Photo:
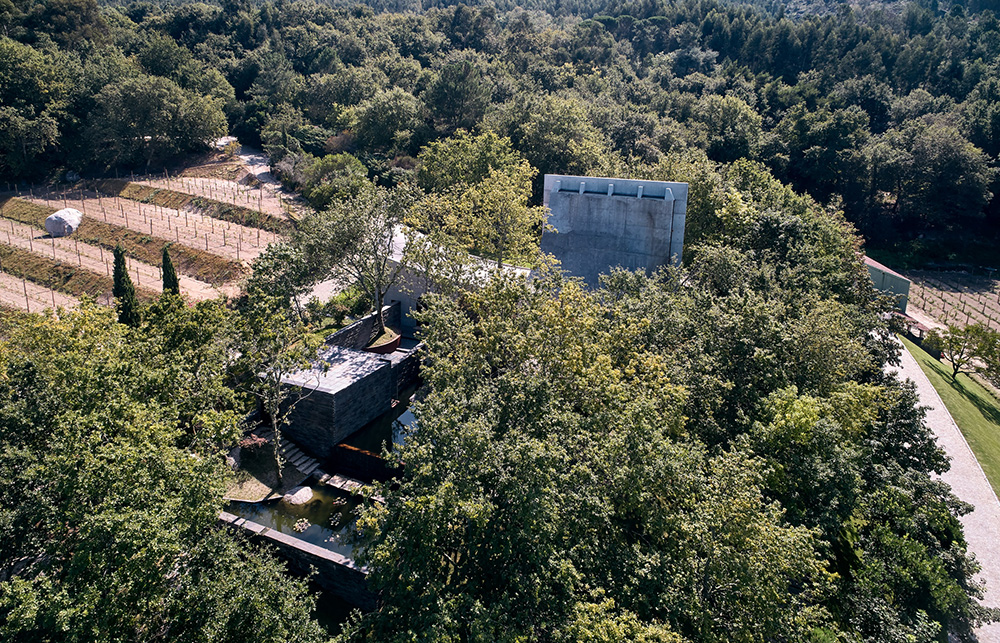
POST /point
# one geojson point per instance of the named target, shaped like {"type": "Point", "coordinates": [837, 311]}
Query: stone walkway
{"type": "Point", "coordinates": [967, 480]}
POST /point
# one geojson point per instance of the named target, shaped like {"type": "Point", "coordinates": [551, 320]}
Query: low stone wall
{"type": "Point", "coordinates": [360, 333]}
{"type": "Point", "coordinates": [336, 573]}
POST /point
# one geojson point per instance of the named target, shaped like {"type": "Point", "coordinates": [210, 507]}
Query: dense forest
{"type": "Point", "coordinates": [888, 111]}
{"type": "Point", "coordinates": [713, 452]}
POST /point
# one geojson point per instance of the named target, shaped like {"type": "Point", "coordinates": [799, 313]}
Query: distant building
{"type": "Point", "coordinates": [890, 282]}
{"type": "Point", "coordinates": [601, 223]}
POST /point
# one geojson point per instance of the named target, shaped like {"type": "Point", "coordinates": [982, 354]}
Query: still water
{"type": "Point", "coordinates": [330, 515]}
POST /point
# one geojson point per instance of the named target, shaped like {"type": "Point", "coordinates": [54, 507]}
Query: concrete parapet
{"type": "Point", "coordinates": [889, 282]}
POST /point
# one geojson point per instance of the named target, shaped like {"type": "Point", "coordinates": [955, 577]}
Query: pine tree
{"type": "Point", "coordinates": [171, 284]}
{"type": "Point", "coordinates": [124, 291]}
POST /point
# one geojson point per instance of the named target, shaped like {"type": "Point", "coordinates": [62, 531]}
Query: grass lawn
{"type": "Point", "coordinates": [257, 478]}
{"type": "Point", "coordinates": [974, 409]}
{"type": "Point", "coordinates": [386, 337]}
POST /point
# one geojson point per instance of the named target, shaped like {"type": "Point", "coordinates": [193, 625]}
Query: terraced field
{"type": "Point", "coordinates": [956, 297]}
{"type": "Point", "coordinates": [213, 227]}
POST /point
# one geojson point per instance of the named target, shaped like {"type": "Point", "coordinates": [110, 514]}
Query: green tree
{"type": "Point", "coordinates": [171, 284]}
{"type": "Point", "coordinates": [34, 97]}
{"type": "Point", "coordinates": [965, 347]}
{"type": "Point", "coordinates": [392, 120]}
{"type": "Point", "coordinates": [334, 176]}
{"type": "Point", "coordinates": [124, 291]}
{"type": "Point", "coordinates": [921, 160]}
{"type": "Point", "coordinates": [149, 120]}
{"type": "Point", "coordinates": [361, 241]}
{"type": "Point", "coordinates": [110, 510]}
{"type": "Point", "coordinates": [464, 159]}
{"type": "Point", "coordinates": [573, 489]}
{"type": "Point", "coordinates": [481, 197]}
{"type": "Point", "coordinates": [459, 96]}
{"type": "Point", "coordinates": [278, 361]}
{"type": "Point", "coordinates": [734, 128]}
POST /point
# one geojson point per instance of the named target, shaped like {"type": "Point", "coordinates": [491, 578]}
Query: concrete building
{"type": "Point", "coordinates": [890, 282]}
{"type": "Point", "coordinates": [601, 223]}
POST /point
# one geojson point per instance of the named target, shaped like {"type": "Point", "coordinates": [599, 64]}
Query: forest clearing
{"type": "Point", "coordinates": [213, 226]}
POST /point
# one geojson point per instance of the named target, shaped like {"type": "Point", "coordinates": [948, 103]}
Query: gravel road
{"type": "Point", "coordinates": [966, 477]}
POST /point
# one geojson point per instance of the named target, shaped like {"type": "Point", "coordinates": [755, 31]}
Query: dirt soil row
{"type": "Point", "coordinates": [26, 295]}
{"type": "Point", "coordinates": [239, 244]}
{"type": "Point", "coordinates": [223, 200]}
{"type": "Point", "coordinates": [62, 276]}
{"type": "Point", "coordinates": [95, 259]}
{"type": "Point", "coordinates": [956, 298]}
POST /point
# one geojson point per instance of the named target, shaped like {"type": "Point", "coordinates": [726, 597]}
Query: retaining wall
{"type": "Point", "coordinates": [596, 224]}
{"type": "Point", "coordinates": [336, 573]}
{"type": "Point", "coordinates": [360, 333]}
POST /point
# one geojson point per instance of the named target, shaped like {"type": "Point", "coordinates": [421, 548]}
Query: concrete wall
{"type": "Point", "coordinates": [337, 574]}
{"type": "Point", "coordinates": [889, 282]}
{"type": "Point", "coordinates": [601, 223]}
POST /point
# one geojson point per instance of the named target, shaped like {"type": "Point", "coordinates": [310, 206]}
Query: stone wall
{"type": "Point", "coordinates": [342, 401]}
{"type": "Point", "coordinates": [360, 333]}
{"type": "Point", "coordinates": [336, 573]}
{"type": "Point", "coordinates": [406, 368]}
{"type": "Point", "coordinates": [354, 389]}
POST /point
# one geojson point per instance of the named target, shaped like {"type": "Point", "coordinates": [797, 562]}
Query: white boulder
{"type": "Point", "coordinates": [298, 496]}
{"type": "Point", "coordinates": [63, 222]}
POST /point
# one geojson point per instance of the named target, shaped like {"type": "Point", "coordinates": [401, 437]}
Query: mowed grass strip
{"type": "Point", "coordinates": [200, 264]}
{"type": "Point", "coordinates": [974, 409]}
{"type": "Point", "coordinates": [60, 276]}
{"type": "Point", "coordinates": [166, 198]}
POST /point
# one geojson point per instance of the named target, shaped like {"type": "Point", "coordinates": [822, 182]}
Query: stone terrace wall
{"type": "Point", "coordinates": [337, 574]}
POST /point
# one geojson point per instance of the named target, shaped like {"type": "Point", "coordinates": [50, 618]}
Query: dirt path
{"type": "Point", "coordinates": [967, 480]}
{"type": "Point", "coordinates": [94, 258]}
{"type": "Point", "coordinates": [924, 318]}
{"type": "Point", "coordinates": [13, 289]}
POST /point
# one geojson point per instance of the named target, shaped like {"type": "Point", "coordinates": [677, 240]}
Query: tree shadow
{"type": "Point", "coordinates": [973, 284]}
{"type": "Point", "coordinates": [988, 408]}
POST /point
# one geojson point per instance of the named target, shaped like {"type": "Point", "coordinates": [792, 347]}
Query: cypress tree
{"type": "Point", "coordinates": [171, 284]}
{"type": "Point", "coordinates": [124, 291]}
